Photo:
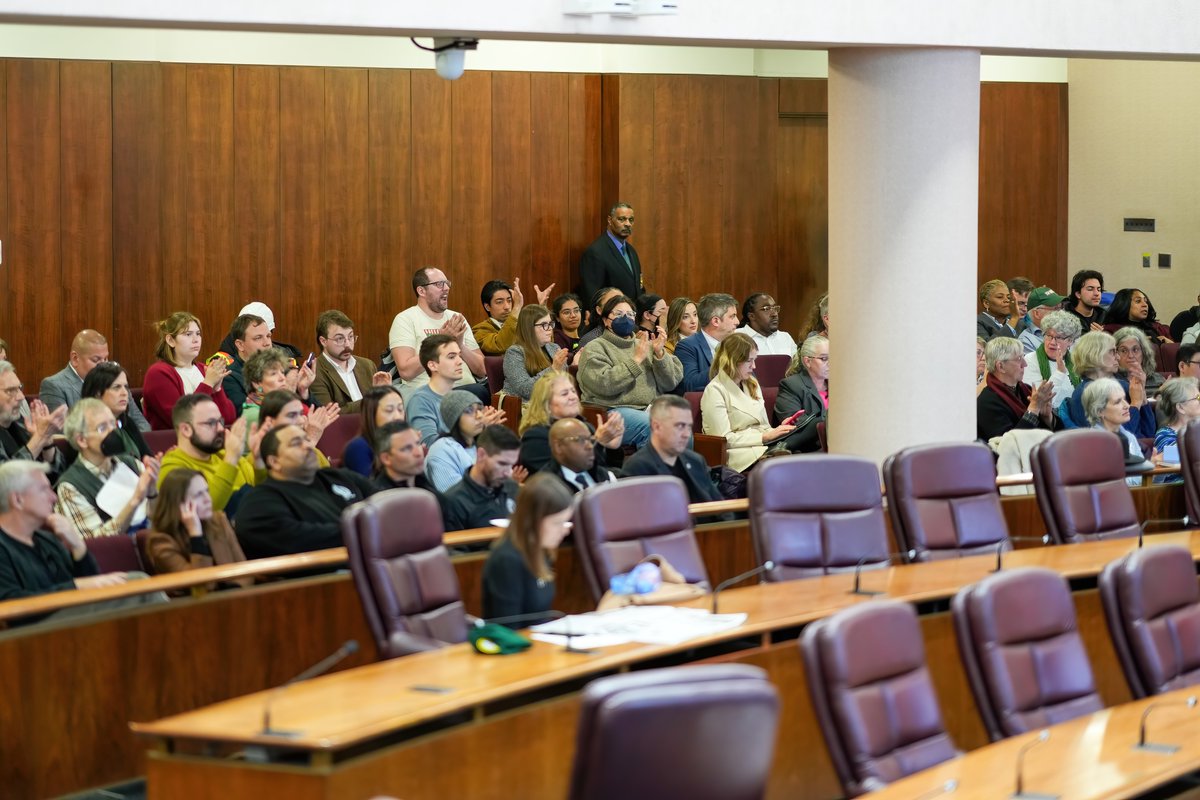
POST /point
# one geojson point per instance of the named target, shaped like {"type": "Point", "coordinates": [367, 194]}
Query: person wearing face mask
{"type": "Point", "coordinates": [625, 372]}
{"type": "Point", "coordinates": [92, 430]}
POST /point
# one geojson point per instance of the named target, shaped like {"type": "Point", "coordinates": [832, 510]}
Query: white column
{"type": "Point", "coordinates": [903, 229]}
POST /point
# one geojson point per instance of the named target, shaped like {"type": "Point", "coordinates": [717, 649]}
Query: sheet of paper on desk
{"type": "Point", "coordinates": [665, 625]}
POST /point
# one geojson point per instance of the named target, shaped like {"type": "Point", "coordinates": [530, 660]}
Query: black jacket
{"type": "Point", "coordinates": [279, 518]}
{"type": "Point", "coordinates": [468, 505]}
{"type": "Point", "coordinates": [797, 392]}
{"type": "Point", "coordinates": [45, 567]}
{"type": "Point", "coordinates": [700, 486]}
{"type": "Point", "coordinates": [602, 265]}
{"type": "Point", "coordinates": [599, 473]}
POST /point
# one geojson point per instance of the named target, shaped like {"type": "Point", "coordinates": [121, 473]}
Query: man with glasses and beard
{"type": "Point", "coordinates": [341, 376]}
{"type": "Point", "coordinates": [30, 440]}
{"type": "Point", "coordinates": [203, 444]}
{"type": "Point", "coordinates": [429, 316]}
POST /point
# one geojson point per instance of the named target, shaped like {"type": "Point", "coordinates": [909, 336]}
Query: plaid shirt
{"type": "Point", "coordinates": [83, 515]}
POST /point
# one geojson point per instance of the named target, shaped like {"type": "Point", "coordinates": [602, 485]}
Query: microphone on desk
{"type": "Point", "coordinates": [1154, 747]}
{"type": "Point", "coordinates": [766, 566]}
{"type": "Point", "coordinates": [1044, 539]}
{"type": "Point", "coordinates": [1020, 793]}
{"type": "Point", "coordinates": [324, 665]}
{"type": "Point", "coordinates": [858, 571]}
{"type": "Point", "coordinates": [1142, 530]}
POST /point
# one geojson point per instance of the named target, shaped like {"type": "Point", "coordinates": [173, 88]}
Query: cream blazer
{"type": "Point", "coordinates": [728, 410]}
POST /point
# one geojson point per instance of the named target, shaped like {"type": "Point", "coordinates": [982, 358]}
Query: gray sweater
{"type": "Point", "coordinates": [608, 375]}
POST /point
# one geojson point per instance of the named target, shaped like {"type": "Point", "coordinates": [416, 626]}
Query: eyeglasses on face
{"type": "Point", "coordinates": [13, 391]}
{"type": "Point", "coordinates": [347, 338]}
{"type": "Point", "coordinates": [546, 326]}
{"type": "Point", "coordinates": [775, 307]}
{"type": "Point", "coordinates": [211, 424]}
{"type": "Point", "coordinates": [628, 314]}
{"type": "Point", "coordinates": [1054, 337]}
{"type": "Point", "coordinates": [438, 284]}
{"type": "Point", "coordinates": [569, 312]}
{"type": "Point", "coordinates": [579, 439]}
{"type": "Point", "coordinates": [820, 358]}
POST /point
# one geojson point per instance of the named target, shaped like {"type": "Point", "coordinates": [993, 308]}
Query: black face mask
{"type": "Point", "coordinates": [111, 445]}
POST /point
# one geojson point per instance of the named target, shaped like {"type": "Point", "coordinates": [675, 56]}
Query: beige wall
{"type": "Point", "coordinates": [1135, 152]}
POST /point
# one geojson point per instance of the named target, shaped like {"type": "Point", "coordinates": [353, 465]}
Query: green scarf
{"type": "Point", "coordinates": [1044, 365]}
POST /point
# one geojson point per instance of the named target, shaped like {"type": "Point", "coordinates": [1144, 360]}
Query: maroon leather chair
{"type": "Point", "coordinates": [1022, 651]}
{"type": "Point", "coordinates": [403, 574]}
{"type": "Point", "coordinates": [769, 370]}
{"type": "Point", "coordinates": [115, 553]}
{"type": "Point", "coordinates": [943, 501]}
{"type": "Point", "coordinates": [339, 434]}
{"type": "Point", "coordinates": [160, 442]}
{"type": "Point", "coordinates": [493, 367]}
{"type": "Point", "coordinates": [714, 449]}
{"type": "Point", "coordinates": [1152, 604]}
{"type": "Point", "coordinates": [1079, 478]}
{"type": "Point", "coordinates": [770, 394]}
{"type": "Point", "coordinates": [619, 524]}
{"type": "Point", "coordinates": [702, 733]}
{"type": "Point", "coordinates": [816, 515]}
{"type": "Point", "coordinates": [1189, 465]}
{"type": "Point", "coordinates": [873, 696]}
{"type": "Point", "coordinates": [1166, 356]}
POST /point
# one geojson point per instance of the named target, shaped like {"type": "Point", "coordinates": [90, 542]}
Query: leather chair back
{"type": "Point", "coordinates": [873, 695]}
{"type": "Point", "coordinates": [1166, 357]}
{"type": "Point", "coordinates": [1189, 465]}
{"type": "Point", "coordinates": [702, 733]}
{"type": "Point", "coordinates": [1079, 479]}
{"type": "Point", "coordinates": [770, 394]}
{"type": "Point", "coordinates": [115, 553]}
{"type": "Point", "coordinates": [816, 514]}
{"type": "Point", "coordinates": [1152, 604]}
{"type": "Point", "coordinates": [943, 501]}
{"type": "Point", "coordinates": [1022, 651]}
{"type": "Point", "coordinates": [160, 442]}
{"type": "Point", "coordinates": [769, 370]}
{"type": "Point", "coordinates": [340, 433]}
{"type": "Point", "coordinates": [403, 574]}
{"type": "Point", "coordinates": [493, 367]}
{"type": "Point", "coordinates": [619, 524]}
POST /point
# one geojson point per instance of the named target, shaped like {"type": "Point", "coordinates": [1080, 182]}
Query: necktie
{"type": "Point", "coordinates": [581, 482]}
{"type": "Point", "coordinates": [625, 255]}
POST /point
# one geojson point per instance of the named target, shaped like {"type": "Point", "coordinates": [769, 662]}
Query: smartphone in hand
{"type": "Point", "coordinates": [794, 418]}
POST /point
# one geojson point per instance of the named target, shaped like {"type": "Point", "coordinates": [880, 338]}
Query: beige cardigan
{"type": "Point", "coordinates": [729, 411]}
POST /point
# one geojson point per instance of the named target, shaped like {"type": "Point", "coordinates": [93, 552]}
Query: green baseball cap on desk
{"type": "Point", "coordinates": [1044, 296]}
{"type": "Point", "coordinates": [494, 639]}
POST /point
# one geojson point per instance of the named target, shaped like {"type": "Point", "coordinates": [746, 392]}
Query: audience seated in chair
{"type": "Point", "coordinates": [667, 452]}
{"type": "Point", "coordinates": [65, 387]}
{"type": "Point", "coordinates": [262, 310]}
{"type": "Point", "coordinates": [442, 359]}
{"type": "Point", "coordinates": [486, 490]}
{"type": "Point", "coordinates": [185, 532]}
{"type": "Point", "coordinates": [401, 457]}
{"type": "Point", "coordinates": [1095, 356]}
{"type": "Point", "coordinates": [380, 405]}
{"type": "Point", "coordinates": [573, 456]}
{"type": "Point", "coordinates": [567, 311]}
{"type": "Point", "coordinates": [718, 314]}
{"type": "Point", "coordinates": [1107, 409]}
{"type": "Point", "coordinates": [1136, 360]}
{"type": "Point", "coordinates": [1006, 403]}
{"type": "Point", "coordinates": [682, 321]}
{"type": "Point", "coordinates": [1042, 302]}
{"type": "Point", "coordinates": [805, 388]}
{"type": "Point", "coordinates": [454, 453]}
{"type": "Point", "coordinates": [269, 370]}
{"type": "Point", "coordinates": [430, 315]}
{"type": "Point", "coordinates": [1132, 307]}
{"type": "Point", "coordinates": [534, 354]}
{"type": "Point", "coordinates": [298, 507]}
{"type": "Point", "coordinates": [1178, 405]}
{"type": "Point", "coordinates": [33, 443]}
{"type": "Point", "coordinates": [760, 313]}
{"type": "Point", "coordinates": [1087, 290]}
{"type": "Point", "coordinates": [595, 327]}
{"type": "Point", "coordinates": [108, 383]}
{"type": "Point", "coordinates": [176, 372]}
{"type": "Point", "coordinates": [1050, 360]}
{"type": "Point", "coordinates": [92, 431]}
{"type": "Point", "coordinates": [554, 397]}
{"type": "Point", "coordinates": [997, 308]}
{"type": "Point", "coordinates": [203, 444]}
{"type": "Point", "coordinates": [502, 302]}
{"type": "Point", "coordinates": [250, 334]}
{"type": "Point", "coordinates": [340, 376]}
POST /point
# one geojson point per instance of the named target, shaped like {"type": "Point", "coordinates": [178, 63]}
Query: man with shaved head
{"type": "Point", "coordinates": [573, 456]}
{"type": "Point", "coordinates": [63, 388]}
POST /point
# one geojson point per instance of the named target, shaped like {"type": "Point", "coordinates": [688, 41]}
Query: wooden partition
{"type": "Point", "coordinates": [132, 189]}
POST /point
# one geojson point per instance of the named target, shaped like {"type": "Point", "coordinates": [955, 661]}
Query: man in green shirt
{"type": "Point", "coordinates": [203, 444]}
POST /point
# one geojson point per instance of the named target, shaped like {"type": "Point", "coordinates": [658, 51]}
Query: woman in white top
{"type": "Point", "coordinates": [732, 405]}
{"type": "Point", "coordinates": [1052, 360]}
{"type": "Point", "coordinates": [176, 372]}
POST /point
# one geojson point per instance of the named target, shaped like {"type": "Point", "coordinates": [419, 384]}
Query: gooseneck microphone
{"type": "Point", "coordinates": [1156, 747]}
{"type": "Point", "coordinates": [324, 665]}
{"type": "Point", "coordinates": [766, 566]}
{"type": "Point", "coordinates": [887, 558]}
{"type": "Point", "coordinates": [1044, 539]}
{"type": "Point", "coordinates": [1142, 530]}
{"type": "Point", "coordinates": [1020, 793]}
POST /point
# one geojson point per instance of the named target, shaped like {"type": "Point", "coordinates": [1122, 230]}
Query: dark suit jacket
{"type": "Point", "coordinates": [797, 392]}
{"type": "Point", "coordinates": [598, 474]}
{"type": "Point", "coordinates": [602, 265]}
{"type": "Point", "coordinates": [700, 486]}
{"type": "Point", "coordinates": [696, 357]}
{"type": "Point", "coordinates": [327, 386]}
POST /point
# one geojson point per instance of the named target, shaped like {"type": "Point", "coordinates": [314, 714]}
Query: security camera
{"type": "Point", "coordinates": [450, 56]}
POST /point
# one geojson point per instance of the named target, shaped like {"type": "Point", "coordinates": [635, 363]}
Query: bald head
{"type": "Point", "coordinates": [572, 445]}
{"type": "Point", "coordinates": [88, 349]}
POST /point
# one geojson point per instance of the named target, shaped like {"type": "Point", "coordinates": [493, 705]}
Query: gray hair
{"type": "Point", "coordinates": [1148, 362]}
{"type": "Point", "coordinates": [1171, 396]}
{"type": "Point", "coordinates": [1096, 395]}
{"type": "Point", "coordinates": [6, 367]}
{"type": "Point", "coordinates": [1064, 323]}
{"type": "Point", "coordinates": [1001, 348]}
{"type": "Point", "coordinates": [1088, 352]}
{"type": "Point", "coordinates": [617, 206]}
{"type": "Point", "coordinates": [807, 349]}
{"type": "Point", "coordinates": [17, 476]}
{"type": "Point", "coordinates": [76, 424]}
{"type": "Point", "coordinates": [714, 305]}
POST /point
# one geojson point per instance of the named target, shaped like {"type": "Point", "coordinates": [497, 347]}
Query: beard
{"type": "Point", "coordinates": [211, 448]}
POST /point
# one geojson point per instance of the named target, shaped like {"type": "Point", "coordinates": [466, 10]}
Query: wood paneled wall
{"type": "Point", "coordinates": [131, 189]}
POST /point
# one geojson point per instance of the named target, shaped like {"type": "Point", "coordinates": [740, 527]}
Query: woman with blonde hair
{"type": "Point", "coordinates": [732, 405]}
{"type": "Point", "coordinates": [818, 319]}
{"type": "Point", "coordinates": [682, 321]}
{"type": "Point", "coordinates": [555, 397]}
{"type": "Point", "coordinates": [535, 353]}
{"type": "Point", "coordinates": [1095, 356]}
{"type": "Point", "coordinates": [805, 387]}
{"type": "Point", "coordinates": [177, 373]}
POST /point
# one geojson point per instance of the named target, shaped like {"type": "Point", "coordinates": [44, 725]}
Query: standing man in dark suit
{"type": "Point", "coordinates": [611, 260]}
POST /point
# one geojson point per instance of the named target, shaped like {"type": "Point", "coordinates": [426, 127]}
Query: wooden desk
{"type": "Point", "coordinates": [368, 730]}
{"type": "Point", "coordinates": [1089, 757]}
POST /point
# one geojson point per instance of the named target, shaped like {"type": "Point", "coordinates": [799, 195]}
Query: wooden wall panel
{"type": "Point", "coordinates": [32, 252]}
{"type": "Point", "coordinates": [86, 147]}
{"type": "Point", "coordinates": [175, 199]}
{"type": "Point", "coordinates": [390, 207]}
{"type": "Point", "coordinates": [549, 186]}
{"type": "Point", "coordinates": [511, 229]}
{"type": "Point", "coordinates": [138, 211]}
{"type": "Point", "coordinates": [432, 183]}
{"type": "Point", "coordinates": [345, 187]}
{"type": "Point", "coordinates": [585, 195]}
{"type": "Point", "coordinates": [257, 240]}
{"type": "Point", "coordinates": [4, 287]}
{"type": "Point", "coordinates": [473, 152]}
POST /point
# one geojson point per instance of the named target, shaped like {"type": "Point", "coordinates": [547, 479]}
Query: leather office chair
{"type": "Point", "coordinates": [403, 574]}
{"type": "Point", "coordinates": [1166, 356]}
{"type": "Point", "coordinates": [1189, 465]}
{"type": "Point", "coordinates": [1079, 478]}
{"type": "Point", "coordinates": [493, 367]}
{"type": "Point", "coordinates": [769, 370]}
{"type": "Point", "coordinates": [1022, 651]}
{"type": "Point", "coordinates": [943, 502]}
{"type": "Point", "coordinates": [816, 515]}
{"type": "Point", "coordinates": [702, 733]}
{"type": "Point", "coordinates": [160, 442]}
{"type": "Point", "coordinates": [339, 434]}
{"type": "Point", "coordinates": [714, 449]}
{"type": "Point", "coordinates": [1152, 604]}
{"type": "Point", "coordinates": [873, 695]}
{"type": "Point", "coordinates": [115, 553]}
{"type": "Point", "coordinates": [619, 524]}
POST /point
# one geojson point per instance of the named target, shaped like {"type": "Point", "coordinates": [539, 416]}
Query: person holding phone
{"type": "Point", "coordinates": [1178, 404]}
{"type": "Point", "coordinates": [177, 373]}
{"type": "Point", "coordinates": [732, 406]}
{"type": "Point", "coordinates": [805, 388]}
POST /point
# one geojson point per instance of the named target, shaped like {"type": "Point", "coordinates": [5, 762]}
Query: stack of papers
{"type": "Point", "coordinates": [665, 625]}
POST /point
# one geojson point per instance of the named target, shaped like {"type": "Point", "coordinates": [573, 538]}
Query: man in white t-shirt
{"type": "Point", "coordinates": [430, 315]}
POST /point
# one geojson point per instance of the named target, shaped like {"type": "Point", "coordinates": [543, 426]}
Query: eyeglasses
{"type": "Point", "coordinates": [569, 312]}
{"type": "Point", "coordinates": [342, 339]}
{"type": "Point", "coordinates": [13, 391]}
{"type": "Point", "coordinates": [1054, 337]}
{"type": "Point", "coordinates": [211, 424]}
{"type": "Point", "coordinates": [1129, 351]}
{"type": "Point", "coordinates": [579, 439]}
{"type": "Point", "coordinates": [820, 358]}
{"type": "Point", "coordinates": [770, 308]}
{"type": "Point", "coordinates": [546, 326]}
{"type": "Point", "coordinates": [629, 315]}
{"type": "Point", "coordinates": [439, 284]}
